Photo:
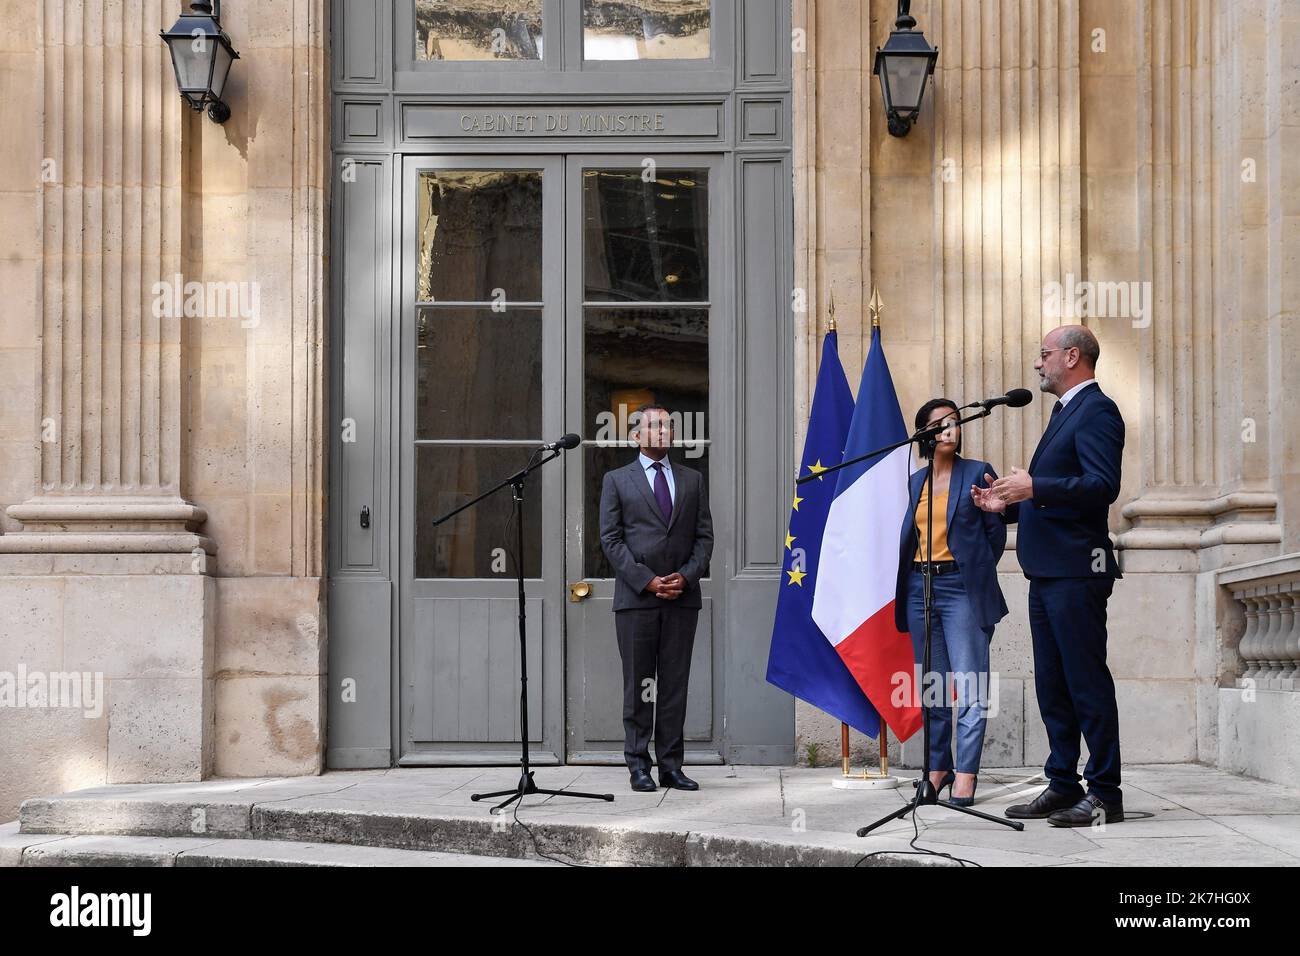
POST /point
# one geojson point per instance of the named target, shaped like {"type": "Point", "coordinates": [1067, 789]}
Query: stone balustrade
{"type": "Point", "coordinates": [1269, 593]}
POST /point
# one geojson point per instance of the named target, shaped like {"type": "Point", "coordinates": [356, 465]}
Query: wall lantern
{"type": "Point", "coordinates": [201, 56]}
{"type": "Point", "coordinates": [903, 65]}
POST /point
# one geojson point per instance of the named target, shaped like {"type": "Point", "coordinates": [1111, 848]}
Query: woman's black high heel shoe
{"type": "Point", "coordinates": [949, 777]}
{"type": "Point", "coordinates": [964, 801]}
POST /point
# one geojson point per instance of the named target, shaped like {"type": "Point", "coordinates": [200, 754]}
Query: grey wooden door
{"type": "Point", "coordinates": [482, 339]}
{"type": "Point", "coordinates": [646, 317]}
{"type": "Point", "coordinates": [427, 400]}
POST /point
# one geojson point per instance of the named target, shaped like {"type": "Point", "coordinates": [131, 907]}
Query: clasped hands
{"type": "Point", "coordinates": [997, 495]}
{"type": "Point", "coordinates": [669, 587]}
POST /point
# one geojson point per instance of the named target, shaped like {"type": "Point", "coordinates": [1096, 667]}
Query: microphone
{"type": "Point", "coordinates": [569, 441]}
{"type": "Point", "coordinates": [1016, 398]}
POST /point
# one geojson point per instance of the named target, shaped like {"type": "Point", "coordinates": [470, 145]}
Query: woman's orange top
{"type": "Point", "coordinates": [940, 543]}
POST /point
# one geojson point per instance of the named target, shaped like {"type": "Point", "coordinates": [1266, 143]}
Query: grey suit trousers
{"type": "Point", "coordinates": [656, 645]}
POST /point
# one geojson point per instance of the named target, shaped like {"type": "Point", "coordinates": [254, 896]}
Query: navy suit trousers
{"type": "Point", "coordinates": [1076, 694]}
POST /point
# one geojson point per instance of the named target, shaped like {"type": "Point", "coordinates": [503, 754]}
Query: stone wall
{"type": "Point", "coordinates": [161, 477]}
{"type": "Point", "coordinates": [1076, 141]}
{"type": "Point", "coordinates": [202, 624]}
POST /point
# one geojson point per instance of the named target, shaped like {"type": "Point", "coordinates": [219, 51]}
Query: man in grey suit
{"type": "Point", "coordinates": [657, 532]}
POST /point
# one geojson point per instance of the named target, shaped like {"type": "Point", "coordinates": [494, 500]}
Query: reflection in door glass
{"type": "Point", "coordinates": [479, 542]}
{"type": "Point", "coordinates": [478, 29]}
{"type": "Point", "coordinates": [477, 364]}
{"type": "Point", "coordinates": [480, 236]}
{"type": "Point", "coordinates": [635, 357]}
{"type": "Point", "coordinates": [478, 374]}
{"type": "Point", "coordinates": [646, 29]}
{"type": "Point", "coordinates": [646, 240]}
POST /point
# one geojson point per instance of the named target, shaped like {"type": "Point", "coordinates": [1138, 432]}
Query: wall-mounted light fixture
{"type": "Point", "coordinates": [903, 65]}
{"type": "Point", "coordinates": [201, 56]}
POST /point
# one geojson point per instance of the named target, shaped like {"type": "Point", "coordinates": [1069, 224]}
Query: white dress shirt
{"type": "Point", "coordinates": [647, 465]}
{"type": "Point", "coordinates": [1065, 399]}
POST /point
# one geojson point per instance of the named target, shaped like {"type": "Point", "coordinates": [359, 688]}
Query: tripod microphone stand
{"type": "Point", "coordinates": [926, 795]}
{"type": "Point", "coordinates": [516, 481]}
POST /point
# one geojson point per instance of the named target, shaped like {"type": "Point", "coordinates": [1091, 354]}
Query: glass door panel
{"type": "Point", "coordinates": [459, 30]}
{"type": "Point", "coordinates": [483, 386]}
{"type": "Point", "coordinates": [640, 313]}
{"type": "Point", "coordinates": [647, 29]}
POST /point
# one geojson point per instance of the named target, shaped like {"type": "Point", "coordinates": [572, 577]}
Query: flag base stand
{"type": "Point", "coordinates": [866, 780]}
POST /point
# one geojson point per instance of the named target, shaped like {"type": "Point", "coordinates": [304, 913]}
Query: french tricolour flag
{"type": "Point", "coordinates": [853, 604]}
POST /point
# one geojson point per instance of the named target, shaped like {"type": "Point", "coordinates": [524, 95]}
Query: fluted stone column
{"type": "Point", "coordinates": [103, 570]}
{"type": "Point", "coordinates": [1257, 608]}
{"type": "Point", "coordinates": [1006, 201]}
{"type": "Point", "coordinates": [111, 415]}
{"type": "Point", "coordinates": [1205, 485]}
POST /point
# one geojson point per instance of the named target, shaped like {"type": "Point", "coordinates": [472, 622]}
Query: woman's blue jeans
{"type": "Point", "coordinates": [959, 649]}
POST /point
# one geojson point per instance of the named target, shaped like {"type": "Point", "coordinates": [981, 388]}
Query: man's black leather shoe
{"type": "Point", "coordinates": [1042, 806]}
{"type": "Point", "coordinates": [642, 782]}
{"type": "Point", "coordinates": [676, 780]}
{"type": "Point", "coordinates": [1087, 812]}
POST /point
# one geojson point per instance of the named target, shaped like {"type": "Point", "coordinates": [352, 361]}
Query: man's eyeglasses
{"type": "Point", "coordinates": [1043, 353]}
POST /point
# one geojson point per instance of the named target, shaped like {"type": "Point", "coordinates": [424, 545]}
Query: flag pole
{"type": "Point", "coordinates": [865, 780]}
{"type": "Point", "coordinates": [876, 306]}
{"type": "Point", "coordinates": [845, 767]}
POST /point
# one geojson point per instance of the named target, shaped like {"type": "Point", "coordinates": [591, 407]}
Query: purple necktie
{"type": "Point", "coordinates": [661, 492]}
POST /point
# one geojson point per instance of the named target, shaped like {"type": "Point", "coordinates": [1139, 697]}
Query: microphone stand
{"type": "Point", "coordinates": [526, 784]}
{"type": "Point", "coordinates": [925, 795]}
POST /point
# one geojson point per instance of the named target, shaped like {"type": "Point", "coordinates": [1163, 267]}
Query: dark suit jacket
{"type": "Point", "coordinates": [641, 546]}
{"type": "Point", "coordinates": [975, 538]}
{"type": "Point", "coordinates": [1076, 471]}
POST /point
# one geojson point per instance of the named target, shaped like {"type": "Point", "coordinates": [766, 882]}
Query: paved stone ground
{"type": "Point", "coordinates": [1179, 814]}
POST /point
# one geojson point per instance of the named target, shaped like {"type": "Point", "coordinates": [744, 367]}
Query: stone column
{"type": "Point", "coordinates": [1006, 202]}
{"type": "Point", "coordinates": [832, 185]}
{"type": "Point", "coordinates": [835, 99]}
{"type": "Point", "coordinates": [1203, 362]}
{"type": "Point", "coordinates": [108, 576]}
{"type": "Point", "coordinates": [111, 415]}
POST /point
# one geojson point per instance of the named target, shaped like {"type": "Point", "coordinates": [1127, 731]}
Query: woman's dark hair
{"type": "Point", "coordinates": [925, 411]}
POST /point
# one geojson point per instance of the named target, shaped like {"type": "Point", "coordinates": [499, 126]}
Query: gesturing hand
{"type": "Point", "coordinates": [985, 499]}
{"type": "Point", "coordinates": [1015, 487]}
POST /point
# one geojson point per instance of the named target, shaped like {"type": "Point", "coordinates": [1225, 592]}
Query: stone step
{"type": "Point", "coordinates": [587, 838]}
{"type": "Point", "coordinates": [17, 849]}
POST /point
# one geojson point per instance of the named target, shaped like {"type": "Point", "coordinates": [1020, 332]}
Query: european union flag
{"type": "Point", "coordinates": [801, 661]}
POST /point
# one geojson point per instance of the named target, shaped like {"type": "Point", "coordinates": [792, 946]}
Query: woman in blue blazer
{"type": "Point", "coordinates": [966, 600]}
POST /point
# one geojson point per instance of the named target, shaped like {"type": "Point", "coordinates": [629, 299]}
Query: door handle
{"type": "Point", "coordinates": [365, 516]}
{"type": "Point", "coordinates": [579, 592]}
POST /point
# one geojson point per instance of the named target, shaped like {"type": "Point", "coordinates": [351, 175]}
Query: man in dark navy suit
{"type": "Point", "coordinates": [657, 532]}
{"type": "Point", "coordinates": [1061, 504]}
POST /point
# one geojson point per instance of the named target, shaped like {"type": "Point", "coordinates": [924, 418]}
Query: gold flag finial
{"type": "Point", "coordinates": [875, 306]}
{"type": "Point", "coordinates": [832, 309]}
